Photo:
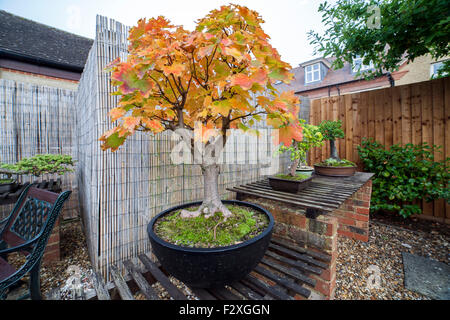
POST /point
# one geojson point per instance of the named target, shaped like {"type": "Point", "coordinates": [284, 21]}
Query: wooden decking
{"type": "Point", "coordinates": [325, 194]}
{"type": "Point", "coordinates": [284, 273]}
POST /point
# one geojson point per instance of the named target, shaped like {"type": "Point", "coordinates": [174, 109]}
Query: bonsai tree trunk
{"type": "Point", "coordinates": [294, 167]}
{"type": "Point", "coordinates": [211, 198]}
{"type": "Point", "coordinates": [333, 151]}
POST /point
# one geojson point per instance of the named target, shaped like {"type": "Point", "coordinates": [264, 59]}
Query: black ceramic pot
{"type": "Point", "coordinates": [211, 267]}
{"type": "Point", "coordinates": [287, 185]}
{"type": "Point", "coordinates": [8, 187]}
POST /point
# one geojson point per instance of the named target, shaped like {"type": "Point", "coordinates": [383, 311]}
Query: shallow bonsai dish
{"type": "Point", "coordinates": [8, 187]}
{"type": "Point", "coordinates": [292, 186]}
{"type": "Point", "coordinates": [309, 171]}
{"type": "Point", "coordinates": [334, 171]}
{"type": "Point", "coordinates": [211, 267]}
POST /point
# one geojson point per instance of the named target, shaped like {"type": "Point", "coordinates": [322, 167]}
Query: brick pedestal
{"type": "Point", "coordinates": [353, 214]}
{"type": "Point", "coordinates": [52, 251]}
{"type": "Point", "coordinates": [317, 235]}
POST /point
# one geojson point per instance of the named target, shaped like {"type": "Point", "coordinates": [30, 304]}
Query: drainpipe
{"type": "Point", "coordinates": [391, 79]}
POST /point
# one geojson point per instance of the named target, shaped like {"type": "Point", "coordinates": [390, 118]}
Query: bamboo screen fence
{"type": "Point", "coordinates": [34, 120]}
{"type": "Point", "coordinates": [120, 192]}
{"type": "Point", "coordinates": [413, 113]}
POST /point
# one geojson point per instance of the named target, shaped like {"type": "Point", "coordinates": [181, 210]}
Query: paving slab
{"type": "Point", "coordinates": [426, 276]}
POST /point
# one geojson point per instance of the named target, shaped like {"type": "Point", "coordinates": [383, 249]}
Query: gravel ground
{"type": "Point", "coordinates": [383, 251]}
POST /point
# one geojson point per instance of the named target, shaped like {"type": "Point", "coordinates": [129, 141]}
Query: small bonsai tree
{"type": "Point", "coordinates": [208, 78]}
{"type": "Point", "coordinates": [331, 130]}
{"type": "Point", "coordinates": [38, 165]}
{"type": "Point", "coordinates": [312, 137]}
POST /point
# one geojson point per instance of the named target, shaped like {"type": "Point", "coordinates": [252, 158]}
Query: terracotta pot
{"type": "Point", "coordinates": [334, 171]}
{"type": "Point", "coordinates": [292, 186]}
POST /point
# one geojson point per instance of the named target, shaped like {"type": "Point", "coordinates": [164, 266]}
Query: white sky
{"type": "Point", "coordinates": [286, 21]}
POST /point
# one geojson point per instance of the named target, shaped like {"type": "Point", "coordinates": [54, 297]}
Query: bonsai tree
{"type": "Point", "coordinates": [331, 130]}
{"type": "Point", "coordinates": [312, 137]}
{"type": "Point", "coordinates": [208, 79]}
{"type": "Point", "coordinates": [38, 165]}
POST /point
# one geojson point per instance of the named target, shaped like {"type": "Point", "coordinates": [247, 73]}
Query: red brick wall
{"type": "Point", "coordinates": [319, 235]}
{"type": "Point", "coordinates": [353, 214]}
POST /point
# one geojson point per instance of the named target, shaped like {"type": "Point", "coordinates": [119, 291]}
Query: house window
{"type": "Point", "coordinates": [435, 67]}
{"type": "Point", "coordinates": [312, 73]}
{"type": "Point", "coordinates": [358, 63]}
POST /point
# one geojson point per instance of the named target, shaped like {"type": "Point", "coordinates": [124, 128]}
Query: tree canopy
{"type": "Point", "coordinates": [384, 32]}
{"type": "Point", "coordinates": [174, 78]}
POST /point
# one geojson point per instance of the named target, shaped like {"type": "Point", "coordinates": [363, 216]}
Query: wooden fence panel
{"type": "Point", "coordinates": [415, 113]}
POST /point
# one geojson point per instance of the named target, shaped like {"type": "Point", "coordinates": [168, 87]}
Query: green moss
{"type": "Point", "coordinates": [5, 181]}
{"type": "Point", "coordinates": [297, 177]}
{"type": "Point", "coordinates": [335, 163]}
{"type": "Point", "coordinates": [198, 232]}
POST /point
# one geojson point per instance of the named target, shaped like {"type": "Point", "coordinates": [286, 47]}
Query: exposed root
{"type": "Point", "coordinates": [216, 228]}
{"type": "Point", "coordinates": [208, 209]}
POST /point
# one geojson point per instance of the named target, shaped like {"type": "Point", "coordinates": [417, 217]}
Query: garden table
{"type": "Point", "coordinates": [323, 196]}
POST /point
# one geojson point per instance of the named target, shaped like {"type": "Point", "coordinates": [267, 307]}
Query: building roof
{"type": "Point", "coordinates": [33, 42]}
{"type": "Point", "coordinates": [332, 77]}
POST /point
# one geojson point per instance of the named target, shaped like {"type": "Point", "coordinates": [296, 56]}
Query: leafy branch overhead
{"type": "Point", "coordinates": [405, 30]}
{"type": "Point", "coordinates": [219, 75]}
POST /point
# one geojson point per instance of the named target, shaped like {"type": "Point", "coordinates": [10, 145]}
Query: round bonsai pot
{"type": "Point", "coordinates": [292, 186]}
{"type": "Point", "coordinates": [334, 171]}
{"type": "Point", "coordinates": [211, 267]}
{"type": "Point", "coordinates": [306, 170]}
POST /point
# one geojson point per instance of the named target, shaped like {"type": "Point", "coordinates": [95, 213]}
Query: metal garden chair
{"type": "Point", "coordinates": [27, 230]}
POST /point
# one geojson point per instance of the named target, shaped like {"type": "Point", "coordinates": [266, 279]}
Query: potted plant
{"type": "Point", "coordinates": [7, 183]}
{"type": "Point", "coordinates": [296, 180]}
{"type": "Point", "coordinates": [334, 166]}
{"type": "Point", "coordinates": [201, 84]}
{"type": "Point", "coordinates": [37, 166]}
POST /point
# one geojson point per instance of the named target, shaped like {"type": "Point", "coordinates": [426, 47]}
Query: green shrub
{"type": "Point", "coordinates": [404, 174]}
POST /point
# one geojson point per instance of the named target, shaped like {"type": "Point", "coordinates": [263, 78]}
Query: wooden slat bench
{"type": "Point", "coordinates": [284, 273]}
{"type": "Point", "coordinates": [346, 198]}
{"type": "Point", "coordinates": [325, 194]}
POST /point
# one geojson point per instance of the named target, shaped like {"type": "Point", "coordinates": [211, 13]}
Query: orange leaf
{"type": "Point", "coordinates": [241, 80]}
{"type": "Point", "coordinates": [289, 133]}
{"type": "Point", "coordinates": [116, 113]}
{"type": "Point", "coordinates": [260, 76]}
{"type": "Point", "coordinates": [176, 69]}
{"type": "Point", "coordinates": [130, 123]}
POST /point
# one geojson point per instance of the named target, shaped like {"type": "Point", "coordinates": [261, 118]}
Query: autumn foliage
{"type": "Point", "coordinates": [174, 78]}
